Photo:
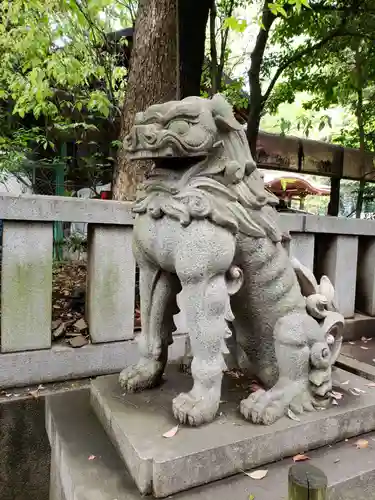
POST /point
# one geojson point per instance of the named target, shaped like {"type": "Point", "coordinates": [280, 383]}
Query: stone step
{"type": "Point", "coordinates": [359, 326]}
{"type": "Point", "coordinates": [86, 466]}
{"type": "Point", "coordinates": [136, 423]}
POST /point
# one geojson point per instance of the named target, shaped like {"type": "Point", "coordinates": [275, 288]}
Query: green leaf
{"type": "Point", "coordinates": [276, 9]}
{"type": "Point", "coordinates": [237, 25]}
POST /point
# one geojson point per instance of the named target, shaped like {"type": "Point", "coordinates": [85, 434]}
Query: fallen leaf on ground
{"type": "Point", "coordinates": [364, 347]}
{"type": "Point", "coordinates": [55, 324]}
{"type": "Point", "coordinates": [301, 458]}
{"type": "Point", "coordinates": [92, 457]}
{"type": "Point", "coordinates": [336, 461]}
{"type": "Point", "coordinates": [233, 373]}
{"type": "Point", "coordinates": [361, 443]}
{"type": "Point", "coordinates": [355, 392]}
{"type": "Point", "coordinates": [336, 395]}
{"type": "Point", "coordinates": [361, 391]}
{"type": "Point", "coordinates": [59, 331]}
{"type": "Point", "coordinates": [351, 343]}
{"type": "Point", "coordinates": [78, 341]}
{"type": "Point", "coordinates": [251, 497]}
{"type": "Point", "coordinates": [80, 325]}
{"type": "Point", "coordinates": [172, 432]}
{"type": "Point", "coordinates": [257, 474]}
{"type": "Point", "coordinates": [292, 415]}
{"type": "Point", "coordinates": [345, 383]}
{"type": "Point", "coordinates": [371, 384]}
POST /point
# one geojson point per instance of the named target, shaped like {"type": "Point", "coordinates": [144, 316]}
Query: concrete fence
{"type": "Point", "coordinates": [342, 249]}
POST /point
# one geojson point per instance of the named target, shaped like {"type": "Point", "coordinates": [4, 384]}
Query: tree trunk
{"type": "Point", "coordinates": [361, 133]}
{"type": "Point", "coordinates": [256, 102]}
{"type": "Point", "coordinates": [152, 79]}
{"type": "Point", "coordinates": [192, 24]}
{"type": "Point", "coordinates": [166, 64]}
{"type": "Point", "coordinates": [213, 50]}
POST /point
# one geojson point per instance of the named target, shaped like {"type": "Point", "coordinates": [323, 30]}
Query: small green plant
{"type": "Point", "coordinates": [76, 244]}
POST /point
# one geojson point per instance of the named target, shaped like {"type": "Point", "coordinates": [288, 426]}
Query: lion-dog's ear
{"type": "Point", "coordinates": [223, 114]}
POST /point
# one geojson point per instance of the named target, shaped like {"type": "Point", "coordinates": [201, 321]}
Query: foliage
{"type": "Point", "coordinates": [61, 71]}
{"type": "Point", "coordinates": [330, 32]}
{"type": "Point", "coordinates": [59, 45]}
{"type": "Point", "coordinates": [225, 21]}
{"type": "Point", "coordinates": [217, 72]}
{"type": "Point", "coordinates": [339, 72]}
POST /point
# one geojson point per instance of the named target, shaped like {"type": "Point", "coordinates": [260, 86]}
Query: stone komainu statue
{"type": "Point", "coordinates": [211, 261]}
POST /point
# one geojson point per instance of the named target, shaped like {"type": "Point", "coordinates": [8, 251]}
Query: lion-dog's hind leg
{"type": "Point", "coordinates": [294, 334]}
{"type": "Point", "coordinates": [158, 291]}
{"type": "Point", "coordinates": [204, 304]}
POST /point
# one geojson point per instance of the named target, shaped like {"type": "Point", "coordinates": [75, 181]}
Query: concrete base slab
{"type": "Point", "coordinates": [350, 471]}
{"type": "Point", "coordinates": [359, 326]}
{"type": "Point", "coordinates": [358, 357]}
{"type": "Point", "coordinates": [357, 367]}
{"type": "Point", "coordinates": [196, 456]}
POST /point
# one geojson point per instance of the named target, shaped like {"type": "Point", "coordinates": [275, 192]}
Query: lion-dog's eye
{"type": "Point", "coordinates": [180, 127]}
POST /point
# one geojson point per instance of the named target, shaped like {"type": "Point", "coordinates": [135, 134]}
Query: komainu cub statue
{"type": "Point", "coordinates": [212, 264]}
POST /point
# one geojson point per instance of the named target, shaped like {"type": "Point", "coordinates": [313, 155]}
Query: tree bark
{"type": "Point", "coordinates": [256, 98]}
{"type": "Point", "coordinates": [361, 133]}
{"type": "Point", "coordinates": [152, 79]}
{"type": "Point", "coordinates": [193, 17]}
{"type": "Point", "coordinates": [166, 64]}
{"type": "Point", "coordinates": [213, 50]}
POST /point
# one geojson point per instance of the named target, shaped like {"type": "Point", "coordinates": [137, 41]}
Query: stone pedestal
{"type": "Point", "coordinates": [194, 456]}
{"type": "Point", "coordinates": [86, 466]}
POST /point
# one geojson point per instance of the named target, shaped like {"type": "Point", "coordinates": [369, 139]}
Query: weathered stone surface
{"type": "Point", "coordinates": [56, 491]}
{"type": "Point", "coordinates": [211, 223]}
{"type": "Point", "coordinates": [358, 367]}
{"type": "Point", "coordinates": [136, 424]}
{"type": "Point", "coordinates": [366, 276]}
{"type": "Point", "coordinates": [64, 362]}
{"type": "Point", "coordinates": [350, 472]}
{"type": "Point", "coordinates": [26, 291]}
{"type": "Point", "coordinates": [337, 258]}
{"type": "Point", "coordinates": [359, 358]}
{"type": "Point", "coordinates": [63, 208]}
{"type": "Point", "coordinates": [111, 280]}
{"type": "Point", "coordinates": [24, 450]}
{"type": "Point", "coordinates": [358, 327]}
{"type": "Point", "coordinates": [301, 246]}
